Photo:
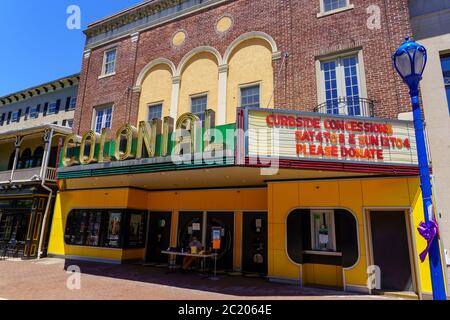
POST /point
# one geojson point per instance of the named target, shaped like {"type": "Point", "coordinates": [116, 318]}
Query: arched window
{"type": "Point", "coordinates": [25, 160]}
{"type": "Point", "coordinates": [11, 160]}
{"type": "Point", "coordinates": [37, 157]}
{"type": "Point", "coordinates": [307, 230]}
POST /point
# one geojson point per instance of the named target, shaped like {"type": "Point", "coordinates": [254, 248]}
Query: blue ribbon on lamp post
{"type": "Point", "coordinates": [410, 60]}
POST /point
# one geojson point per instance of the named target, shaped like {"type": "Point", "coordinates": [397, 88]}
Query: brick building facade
{"type": "Point", "coordinates": [294, 25]}
{"type": "Point", "coordinates": [345, 185]}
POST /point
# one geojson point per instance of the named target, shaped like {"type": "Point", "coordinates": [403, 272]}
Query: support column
{"type": "Point", "coordinates": [222, 95]}
{"type": "Point", "coordinates": [17, 145]}
{"type": "Point", "coordinates": [47, 145]}
{"type": "Point", "coordinates": [175, 97]}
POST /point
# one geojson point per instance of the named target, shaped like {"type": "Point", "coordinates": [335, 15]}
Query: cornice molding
{"type": "Point", "coordinates": [52, 86]}
{"type": "Point", "coordinates": [129, 16]}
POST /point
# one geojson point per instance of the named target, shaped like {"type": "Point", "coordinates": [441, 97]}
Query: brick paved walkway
{"type": "Point", "coordinates": [46, 279]}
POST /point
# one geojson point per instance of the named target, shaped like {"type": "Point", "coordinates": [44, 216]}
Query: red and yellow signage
{"type": "Point", "coordinates": [330, 138]}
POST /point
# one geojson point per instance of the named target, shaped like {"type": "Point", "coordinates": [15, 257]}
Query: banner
{"type": "Point", "coordinates": [289, 135]}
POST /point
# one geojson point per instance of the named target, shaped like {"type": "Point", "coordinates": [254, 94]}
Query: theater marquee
{"type": "Point", "coordinates": [321, 137]}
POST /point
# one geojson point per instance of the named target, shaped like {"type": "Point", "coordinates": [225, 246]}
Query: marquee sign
{"type": "Point", "coordinates": [157, 141]}
{"type": "Point", "coordinates": [305, 136]}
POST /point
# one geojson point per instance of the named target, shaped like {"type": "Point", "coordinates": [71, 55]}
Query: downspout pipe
{"type": "Point", "coordinates": [50, 191]}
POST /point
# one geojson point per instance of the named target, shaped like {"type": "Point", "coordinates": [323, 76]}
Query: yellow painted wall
{"type": "Point", "coordinates": [353, 195]}
{"type": "Point", "coordinates": [199, 76]}
{"type": "Point", "coordinates": [219, 200]}
{"type": "Point", "coordinates": [97, 199]}
{"type": "Point", "coordinates": [214, 200]}
{"type": "Point", "coordinates": [156, 88]}
{"type": "Point", "coordinates": [250, 62]}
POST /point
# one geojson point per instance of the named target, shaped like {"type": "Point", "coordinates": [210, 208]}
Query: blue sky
{"type": "Point", "coordinates": [36, 45]}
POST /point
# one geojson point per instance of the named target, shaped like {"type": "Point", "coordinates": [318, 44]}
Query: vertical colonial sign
{"type": "Point", "coordinates": [316, 139]}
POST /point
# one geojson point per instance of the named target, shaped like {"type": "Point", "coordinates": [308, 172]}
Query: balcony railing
{"type": "Point", "coordinates": [31, 174]}
{"type": "Point", "coordinates": [359, 107]}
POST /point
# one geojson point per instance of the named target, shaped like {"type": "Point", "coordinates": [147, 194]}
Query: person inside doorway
{"type": "Point", "coordinates": [195, 247]}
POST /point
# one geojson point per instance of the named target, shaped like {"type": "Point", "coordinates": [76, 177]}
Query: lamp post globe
{"type": "Point", "coordinates": [410, 60]}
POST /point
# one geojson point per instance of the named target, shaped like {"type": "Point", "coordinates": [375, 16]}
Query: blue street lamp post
{"type": "Point", "coordinates": [410, 60]}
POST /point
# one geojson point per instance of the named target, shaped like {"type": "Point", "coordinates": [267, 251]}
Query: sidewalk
{"type": "Point", "coordinates": [46, 279]}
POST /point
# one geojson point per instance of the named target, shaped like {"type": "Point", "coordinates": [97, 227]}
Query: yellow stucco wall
{"type": "Point", "coordinates": [250, 62]}
{"type": "Point", "coordinates": [97, 199]}
{"type": "Point", "coordinates": [199, 76]}
{"type": "Point", "coordinates": [212, 200]}
{"type": "Point", "coordinates": [156, 88]}
{"type": "Point", "coordinates": [355, 196]}
{"type": "Point", "coordinates": [279, 199]}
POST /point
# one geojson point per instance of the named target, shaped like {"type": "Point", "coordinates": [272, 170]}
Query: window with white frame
{"type": "Point", "coordinates": [52, 108]}
{"type": "Point", "coordinates": [332, 5]}
{"type": "Point", "coordinates": [72, 103]}
{"type": "Point", "coordinates": [341, 86]}
{"type": "Point", "coordinates": [250, 96]}
{"type": "Point", "coordinates": [109, 62]}
{"type": "Point", "coordinates": [154, 111]}
{"type": "Point", "coordinates": [199, 105]}
{"type": "Point", "coordinates": [34, 112]}
{"type": "Point", "coordinates": [103, 118]}
{"type": "Point", "coordinates": [15, 117]}
{"type": "Point", "coordinates": [322, 230]}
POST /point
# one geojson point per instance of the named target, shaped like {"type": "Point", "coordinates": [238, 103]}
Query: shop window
{"type": "Point", "coordinates": [113, 229]}
{"type": "Point", "coordinates": [322, 237]}
{"type": "Point", "coordinates": [250, 96]}
{"type": "Point", "coordinates": [105, 228]}
{"type": "Point", "coordinates": [136, 230]}
{"type": "Point", "coordinates": [155, 111]}
{"type": "Point", "coordinates": [322, 230]}
{"type": "Point", "coordinates": [84, 228]}
{"type": "Point", "coordinates": [6, 227]}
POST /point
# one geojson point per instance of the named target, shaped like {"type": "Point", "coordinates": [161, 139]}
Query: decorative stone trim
{"type": "Point", "coordinates": [135, 37]}
{"type": "Point", "coordinates": [87, 54]}
{"type": "Point", "coordinates": [224, 19]}
{"type": "Point", "coordinates": [179, 37]}
{"type": "Point", "coordinates": [223, 68]}
{"type": "Point", "coordinates": [277, 55]}
{"type": "Point", "coordinates": [176, 80]}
